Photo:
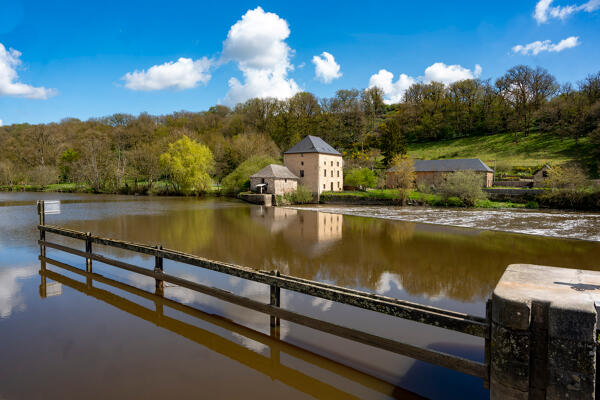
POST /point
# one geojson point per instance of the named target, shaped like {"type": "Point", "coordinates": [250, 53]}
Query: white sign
{"type": "Point", "coordinates": [52, 207]}
{"type": "Point", "coordinates": [53, 289]}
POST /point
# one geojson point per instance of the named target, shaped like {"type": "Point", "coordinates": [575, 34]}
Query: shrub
{"type": "Point", "coordinates": [43, 175]}
{"type": "Point", "coordinates": [302, 195]}
{"type": "Point", "coordinates": [361, 177]}
{"type": "Point", "coordinates": [577, 199]}
{"type": "Point", "coordinates": [566, 177]}
{"type": "Point", "coordinates": [239, 180]}
{"type": "Point", "coordinates": [532, 204]}
{"type": "Point", "coordinates": [465, 185]}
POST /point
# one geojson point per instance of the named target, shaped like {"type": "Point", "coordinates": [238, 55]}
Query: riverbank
{"type": "Point", "coordinates": [580, 200]}
{"type": "Point", "coordinates": [391, 197]}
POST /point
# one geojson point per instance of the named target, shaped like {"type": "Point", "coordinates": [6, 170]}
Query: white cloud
{"type": "Point", "coordinates": [394, 91]}
{"type": "Point", "coordinates": [257, 43]}
{"type": "Point", "coordinates": [544, 10]}
{"type": "Point", "coordinates": [9, 61]}
{"type": "Point", "coordinates": [437, 72]}
{"type": "Point", "coordinates": [0, 122]}
{"type": "Point", "coordinates": [184, 73]}
{"type": "Point", "coordinates": [440, 72]}
{"type": "Point", "coordinates": [539, 46]}
{"type": "Point", "coordinates": [326, 69]}
{"type": "Point", "coordinates": [10, 289]}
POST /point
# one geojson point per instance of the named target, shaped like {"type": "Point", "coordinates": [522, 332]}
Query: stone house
{"type": "Point", "coordinates": [433, 172]}
{"type": "Point", "coordinates": [274, 179]}
{"type": "Point", "coordinates": [318, 165]}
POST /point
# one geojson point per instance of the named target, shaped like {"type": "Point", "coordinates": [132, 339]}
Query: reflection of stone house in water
{"type": "Point", "coordinates": [311, 232]}
{"type": "Point", "coordinates": [275, 219]}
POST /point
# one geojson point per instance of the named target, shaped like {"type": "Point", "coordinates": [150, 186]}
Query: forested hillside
{"type": "Point", "coordinates": [111, 152]}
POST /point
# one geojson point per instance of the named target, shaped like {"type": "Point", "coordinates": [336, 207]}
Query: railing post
{"type": "Point", "coordinates": [42, 213]}
{"type": "Point", "coordinates": [158, 269]}
{"type": "Point", "coordinates": [543, 333]}
{"type": "Point", "coordinates": [275, 300]}
{"type": "Point", "coordinates": [488, 342]}
{"type": "Point", "coordinates": [88, 250]}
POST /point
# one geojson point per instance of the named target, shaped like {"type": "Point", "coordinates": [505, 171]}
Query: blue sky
{"type": "Point", "coordinates": [71, 58]}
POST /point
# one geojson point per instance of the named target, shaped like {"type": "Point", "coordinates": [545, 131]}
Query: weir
{"type": "Point", "coordinates": [539, 330]}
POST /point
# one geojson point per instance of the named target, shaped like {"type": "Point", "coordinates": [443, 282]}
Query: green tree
{"type": "Point", "coordinates": [392, 141]}
{"type": "Point", "coordinates": [361, 177]}
{"type": "Point", "coordinates": [401, 175]}
{"type": "Point", "coordinates": [188, 164]}
{"type": "Point", "coordinates": [67, 158]}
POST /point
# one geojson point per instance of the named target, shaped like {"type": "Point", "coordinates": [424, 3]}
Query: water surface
{"type": "Point", "coordinates": [71, 338]}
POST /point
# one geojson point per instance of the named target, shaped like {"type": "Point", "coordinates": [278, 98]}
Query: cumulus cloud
{"type": "Point", "coordinates": [440, 72]}
{"type": "Point", "coordinates": [11, 298]}
{"type": "Point", "coordinates": [544, 10]}
{"type": "Point", "coordinates": [9, 61]}
{"type": "Point", "coordinates": [394, 91]}
{"type": "Point", "coordinates": [538, 46]}
{"type": "Point", "coordinates": [437, 72]}
{"type": "Point", "coordinates": [257, 44]}
{"type": "Point", "coordinates": [0, 122]}
{"type": "Point", "coordinates": [184, 73]}
{"type": "Point", "coordinates": [326, 69]}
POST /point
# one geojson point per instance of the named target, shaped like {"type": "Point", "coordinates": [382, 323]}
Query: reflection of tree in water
{"type": "Point", "coordinates": [188, 230]}
{"type": "Point", "coordinates": [427, 260]}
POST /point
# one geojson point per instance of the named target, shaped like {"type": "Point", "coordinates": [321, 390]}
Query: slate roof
{"type": "Point", "coordinates": [312, 144]}
{"type": "Point", "coordinates": [275, 171]}
{"type": "Point", "coordinates": [451, 165]}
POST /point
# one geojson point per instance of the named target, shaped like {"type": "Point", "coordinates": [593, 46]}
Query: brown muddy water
{"type": "Point", "coordinates": [107, 342]}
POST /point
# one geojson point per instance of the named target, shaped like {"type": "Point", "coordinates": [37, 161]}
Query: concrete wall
{"type": "Point", "coordinates": [521, 184]}
{"type": "Point", "coordinates": [543, 333]}
{"type": "Point", "coordinates": [322, 172]}
{"type": "Point", "coordinates": [255, 198]}
{"type": "Point", "coordinates": [274, 185]}
{"type": "Point", "coordinates": [513, 194]}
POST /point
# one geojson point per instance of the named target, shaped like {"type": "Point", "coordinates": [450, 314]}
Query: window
{"type": "Point", "coordinates": [325, 173]}
{"type": "Point", "coordinates": [332, 173]}
{"type": "Point", "coordinates": [263, 180]}
{"type": "Point", "coordinates": [301, 173]}
{"type": "Point", "coordinates": [332, 186]}
{"type": "Point", "coordinates": [301, 154]}
{"type": "Point", "coordinates": [285, 181]}
{"type": "Point", "coordinates": [338, 163]}
{"type": "Point", "coordinates": [325, 163]}
{"type": "Point", "coordinates": [323, 186]}
{"type": "Point", "coordinates": [332, 163]}
{"type": "Point", "coordinates": [301, 162]}
{"type": "Point", "coordinates": [338, 173]}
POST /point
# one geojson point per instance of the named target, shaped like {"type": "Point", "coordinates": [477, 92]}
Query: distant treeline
{"type": "Point", "coordinates": [121, 150]}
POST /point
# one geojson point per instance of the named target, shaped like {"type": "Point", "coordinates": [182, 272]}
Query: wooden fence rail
{"type": "Point", "coordinates": [460, 322]}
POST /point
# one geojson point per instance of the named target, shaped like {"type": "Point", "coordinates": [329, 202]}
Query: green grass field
{"type": "Point", "coordinates": [531, 151]}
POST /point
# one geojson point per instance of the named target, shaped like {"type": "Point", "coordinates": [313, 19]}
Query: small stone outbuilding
{"type": "Point", "coordinates": [433, 172]}
{"type": "Point", "coordinates": [539, 178]}
{"type": "Point", "coordinates": [277, 179]}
